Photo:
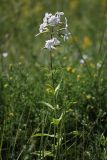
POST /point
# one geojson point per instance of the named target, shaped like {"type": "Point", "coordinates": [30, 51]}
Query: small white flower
{"type": "Point", "coordinates": [59, 13]}
{"type": "Point", "coordinates": [99, 65]}
{"type": "Point", "coordinates": [43, 27]}
{"type": "Point", "coordinates": [85, 57]}
{"type": "Point", "coordinates": [56, 41]}
{"type": "Point", "coordinates": [47, 16]}
{"type": "Point", "coordinates": [66, 23]}
{"type": "Point", "coordinates": [53, 20]}
{"type": "Point", "coordinates": [50, 20]}
{"type": "Point", "coordinates": [81, 61]}
{"type": "Point", "coordinates": [66, 36]}
{"type": "Point", "coordinates": [50, 44]}
{"type": "Point", "coordinates": [65, 33]}
{"type": "Point", "coordinates": [5, 54]}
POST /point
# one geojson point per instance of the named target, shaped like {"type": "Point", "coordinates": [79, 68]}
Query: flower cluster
{"type": "Point", "coordinates": [52, 21]}
{"type": "Point", "coordinates": [50, 44]}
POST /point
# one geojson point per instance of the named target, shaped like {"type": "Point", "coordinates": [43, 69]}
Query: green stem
{"type": "Point", "coordinates": [51, 69]}
{"type": "Point", "coordinates": [51, 61]}
{"type": "Point", "coordinates": [2, 63]}
{"type": "Point", "coordinates": [83, 139]}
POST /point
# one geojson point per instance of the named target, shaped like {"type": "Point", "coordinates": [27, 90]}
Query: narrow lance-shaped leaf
{"type": "Point", "coordinates": [57, 88]}
{"type": "Point", "coordinates": [44, 135]}
{"type": "Point", "coordinates": [47, 104]}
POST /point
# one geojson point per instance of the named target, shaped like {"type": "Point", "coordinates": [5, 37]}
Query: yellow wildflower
{"type": "Point", "coordinates": [11, 114]}
{"type": "Point", "coordinates": [78, 77]}
{"type": "Point", "coordinates": [104, 3]}
{"type": "Point", "coordinates": [73, 4]}
{"type": "Point", "coordinates": [49, 89]}
{"type": "Point", "coordinates": [74, 39]}
{"type": "Point", "coordinates": [92, 65]}
{"type": "Point", "coordinates": [88, 96]}
{"type": "Point", "coordinates": [70, 69]}
{"type": "Point", "coordinates": [38, 8]}
{"type": "Point", "coordinates": [86, 42]}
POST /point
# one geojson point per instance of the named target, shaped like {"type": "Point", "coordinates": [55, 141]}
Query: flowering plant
{"type": "Point", "coordinates": [51, 21]}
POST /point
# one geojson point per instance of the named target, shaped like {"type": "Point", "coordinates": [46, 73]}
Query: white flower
{"type": "Point", "coordinates": [56, 41]}
{"type": "Point", "coordinates": [99, 65]}
{"type": "Point", "coordinates": [66, 36]}
{"type": "Point", "coordinates": [59, 13]}
{"type": "Point", "coordinates": [50, 44]}
{"type": "Point", "coordinates": [47, 16]}
{"type": "Point", "coordinates": [85, 57]}
{"type": "Point", "coordinates": [5, 54]}
{"type": "Point", "coordinates": [50, 20]}
{"type": "Point", "coordinates": [81, 61]}
{"type": "Point", "coordinates": [64, 31]}
{"type": "Point", "coordinates": [43, 27]}
{"type": "Point", "coordinates": [67, 33]}
{"type": "Point", "coordinates": [66, 23]}
{"type": "Point", "coordinates": [53, 20]}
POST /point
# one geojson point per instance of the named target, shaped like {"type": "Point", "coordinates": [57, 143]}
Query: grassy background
{"type": "Point", "coordinates": [38, 121]}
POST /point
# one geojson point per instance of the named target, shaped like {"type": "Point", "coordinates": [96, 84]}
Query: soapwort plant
{"type": "Point", "coordinates": [57, 26]}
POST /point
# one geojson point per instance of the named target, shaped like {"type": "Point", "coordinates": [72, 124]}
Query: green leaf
{"type": "Point", "coordinates": [56, 121]}
{"type": "Point", "coordinates": [57, 88]}
{"type": "Point", "coordinates": [76, 133]}
{"type": "Point", "coordinates": [46, 153]}
{"type": "Point", "coordinates": [44, 135]}
{"type": "Point", "coordinates": [47, 104]}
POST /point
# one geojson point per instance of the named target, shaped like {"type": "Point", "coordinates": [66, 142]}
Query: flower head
{"type": "Point", "coordinates": [53, 20]}
{"type": "Point", "coordinates": [47, 16]}
{"type": "Point", "coordinates": [43, 27]}
{"type": "Point", "coordinates": [81, 61]}
{"type": "Point", "coordinates": [5, 54]}
{"type": "Point", "coordinates": [50, 44]}
{"type": "Point", "coordinates": [50, 21]}
{"type": "Point", "coordinates": [56, 41]}
{"type": "Point", "coordinates": [59, 13]}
